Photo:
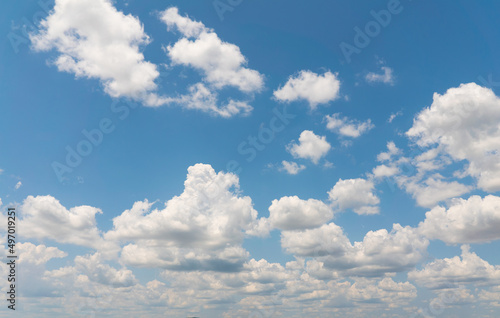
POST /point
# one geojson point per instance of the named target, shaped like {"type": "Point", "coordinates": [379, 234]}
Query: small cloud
{"type": "Point", "coordinates": [18, 185]}
{"type": "Point", "coordinates": [314, 88]}
{"type": "Point", "coordinates": [291, 167]}
{"type": "Point", "coordinates": [393, 116]}
{"type": "Point", "coordinates": [387, 77]}
{"type": "Point", "coordinates": [310, 146]}
{"type": "Point", "coordinates": [347, 127]}
{"type": "Point", "coordinates": [328, 164]}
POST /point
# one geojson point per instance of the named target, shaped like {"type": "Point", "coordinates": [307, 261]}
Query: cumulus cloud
{"type": "Point", "coordinates": [37, 254]}
{"type": "Point", "coordinates": [380, 251]}
{"type": "Point", "coordinates": [291, 167]}
{"type": "Point", "coordinates": [95, 270]}
{"type": "Point", "coordinates": [200, 97]}
{"type": "Point", "coordinates": [201, 228]}
{"type": "Point", "coordinates": [109, 49]}
{"type": "Point", "coordinates": [95, 40]}
{"type": "Point", "coordinates": [314, 88]}
{"type": "Point", "coordinates": [432, 190]}
{"type": "Point", "coordinates": [473, 220]}
{"type": "Point", "coordinates": [463, 123]}
{"type": "Point", "coordinates": [392, 150]}
{"type": "Point", "coordinates": [347, 127]}
{"type": "Point", "coordinates": [221, 63]}
{"type": "Point", "coordinates": [382, 171]}
{"type": "Point", "coordinates": [355, 194]}
{"type": "Point", "coordinates": [18, 185]}
{"type": "Point", "coordinates": [451, 272]}
{"type": "Point", "coordinates": [310, 146]}
{"type": "Point", "coordinates": [417, 175]}
{"type": "Point", "coordinates": [386, 77]}
{"type": "Point", "coordinates": [292, 213]}
{"type": "Point", "coordinates": [44, 217]}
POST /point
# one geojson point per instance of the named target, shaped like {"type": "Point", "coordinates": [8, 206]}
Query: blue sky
{"type": "Point", "coordinates": [337, 158]}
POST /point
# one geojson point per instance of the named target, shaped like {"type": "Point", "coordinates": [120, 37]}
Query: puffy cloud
{"type": "Point", "coordinates": [355, 194]}
{"type": "Point", "coordinates": [392, 151]}
{"type": "Point", "coordinates": [310, 146]}
{"type": "Point", "coordinates": [329, 239]}
{"type": "Point", "coordinates": [222, 63]}
{"type": "Point", "coordinates": [43, 217]}
{"type": "Point", "coordinates": [432, 190]}
{"type": "Point", "coordinates": [37, 254]}
{"type": "Point", "coordinates": [381, 171]}
{"type": "Point", "coordinates": [108, 49]}
{"type": "Point", "coordinates": [18, 185]}
{"type": "Point", "coordinates": [291, 167]}
{"type": "Point", "coordinates": [292, 213]}
{"type": "Point", "coordinates": [386, 77]}
{"type": "Point", "coordinates": [311, 87]}
{"type": "Point", "coordinates": [202, 98]}
{"type": "Point", "coordinates": [380, 251]}
{"type": "Point", "coordinates": [98, 272]}
{"type": "Point", "coordinates": [463, 123]}
{"type": "Point", "coordinates": [451, 272]}
{"type": "Point", "coordinates": [95, 40]}
{"type": "Point", "coordinates": [185, 25]}
{"type": "Point", "coordinates": [414, 175]}
{"type": "Point", "coordinates": [466, 221]}
{"type": "Point", "coordinates": [347, 127]}
{"type": "Point", "coordinates": [201, 228]}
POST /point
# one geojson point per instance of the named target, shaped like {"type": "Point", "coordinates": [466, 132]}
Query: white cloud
{"type": "Point", "coordinates": [291, 167]}
{"type": "Point", "coordinates": [310, 146]}
{"type": "Point", "coordinates": [185, 25]}
{"type": "Point", "coordinates": [311, 87]}
{"type": "Point", "coordinates": [393, 116]}
{"type": "Point", "coordinates": [382, 171]}
{"type": "Point", "coordinates": [222, 63]}
{"type": "Point", "coordinates": [392, 151]}
{"type": "Point", "coordinates": [385, 77]}
{"type": "Point", "coordinates": [199, 229]}
{"type": "Point", "coordinates": [380, 251]}
{"type": "Point", "coordinates": [347, 127]}
{"type": "Point", "coordinates": [202, 98]}
{"type": "Point", "coordinates": [95, 270]}
{"type": "Point", "coordinates": [95, 40]}
{"type": "Point", "coordinates": [450, 272]}
{"type": "Point", "coordinates": [355, 194]}
{"type": "Point", "coordinates": [43, 217]}
{"type": "Point", "coordinates": [37, 254]}
{"type": "Point", "coordinates": [463, 123]}
{"type": "Point", "coordinates": [432, 190]}
{"type": "Point", "coordinates": [108, 48]}
{"type": "Point", "coordinates": [292, 213]}
{"type": "Point", "coordinates": [473, 220]}
{"type": "Point", "coordinates": [18, 185]}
